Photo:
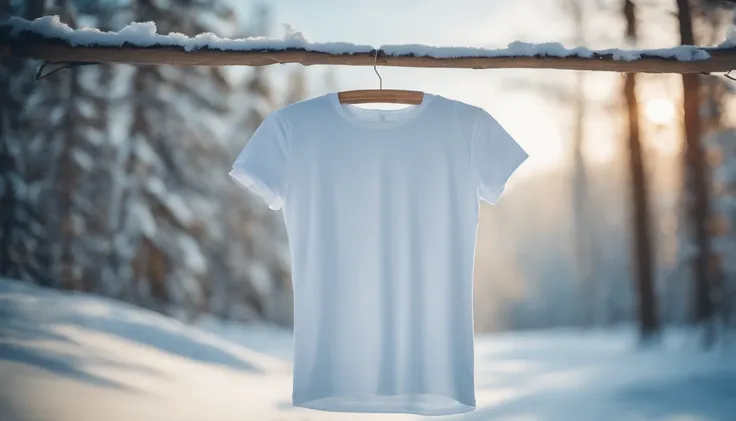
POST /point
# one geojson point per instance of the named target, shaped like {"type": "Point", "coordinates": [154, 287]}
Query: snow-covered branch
{"type": "Point", "coordinates": [49, 39]}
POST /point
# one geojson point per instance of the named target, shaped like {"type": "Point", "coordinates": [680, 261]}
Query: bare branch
{"type": "Point", "coordinates": [27, 44]}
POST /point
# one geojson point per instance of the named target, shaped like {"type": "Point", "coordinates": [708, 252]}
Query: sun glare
{"type": "Point", "coordinates": [660, 111]}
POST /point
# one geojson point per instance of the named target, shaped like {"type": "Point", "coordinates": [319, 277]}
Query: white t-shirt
{"type": "Point", "coordinates": [381, 211]}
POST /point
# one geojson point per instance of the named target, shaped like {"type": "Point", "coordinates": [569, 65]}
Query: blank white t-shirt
{"type": "Point", "coordinates": [381, 210]}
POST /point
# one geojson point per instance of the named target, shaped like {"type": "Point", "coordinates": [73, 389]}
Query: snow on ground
{"type": "Point", "coordinates": [144, 34]}
{"type": "Point", "coordinates": [76, 357]}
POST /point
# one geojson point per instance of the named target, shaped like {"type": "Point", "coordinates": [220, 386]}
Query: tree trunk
{"type": "Point", "coordinates": [14, 208]}
{"type": "Point", "coordinates": [642, 251]}
{"type": "Point", "coordinates": [583, 241]}
{"type": "Point", "coordinates": [582, 237]}
{"type": "Point", "coordinates": [8, 201]}
{"type": "Point", "coordinates": [66, 178]}
{"type": "Point", "coordinates": [66, 189]}
{"type": "Point", "coordinates": [696, 184]}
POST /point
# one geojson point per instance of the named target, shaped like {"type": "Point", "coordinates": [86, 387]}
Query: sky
{"type": "Point", "coordinates": [536, 120]}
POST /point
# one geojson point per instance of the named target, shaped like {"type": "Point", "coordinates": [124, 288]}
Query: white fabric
{"type": "Point", "coordinates": [381, 210]}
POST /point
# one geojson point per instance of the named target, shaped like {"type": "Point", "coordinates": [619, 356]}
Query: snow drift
{"type": "Point", "coordinates": [78, 357]}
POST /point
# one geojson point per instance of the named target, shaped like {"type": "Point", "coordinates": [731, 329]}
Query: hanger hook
{"type": "Point", "coordinates": [375, 69]}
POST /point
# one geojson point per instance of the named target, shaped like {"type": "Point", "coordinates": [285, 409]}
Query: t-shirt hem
{"type": "Point", "coordinates": [361, 406]}
{"type": "Point", "coordinates": [256, 185]}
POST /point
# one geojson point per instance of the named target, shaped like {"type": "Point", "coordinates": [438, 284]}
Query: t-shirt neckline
{"type": "Point", "coordinates": [352, 113]}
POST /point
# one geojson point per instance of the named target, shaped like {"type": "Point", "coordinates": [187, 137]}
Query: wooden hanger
{"type": "Point", "coordinates": [394, 96]}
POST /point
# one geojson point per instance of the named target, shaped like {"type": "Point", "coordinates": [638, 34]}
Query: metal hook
{"type": "Point", "coordinates": [62, 66]}
{"type": "Point", "coordinates": [40, 75]}
{"type": "Point", "coordinates": [375, 69]}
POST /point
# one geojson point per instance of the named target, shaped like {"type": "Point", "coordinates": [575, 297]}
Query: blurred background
{"type": "Point", "coordinates": [113, 178]}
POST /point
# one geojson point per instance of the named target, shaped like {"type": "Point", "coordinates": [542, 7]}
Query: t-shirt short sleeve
{"type": "Point", "coordinates": [495, 156]}
{"type": "Point", "coordinates": [261, 164]}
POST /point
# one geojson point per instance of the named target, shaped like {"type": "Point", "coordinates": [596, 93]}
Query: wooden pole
{"type": "Point", "coordinates": [25, 44]}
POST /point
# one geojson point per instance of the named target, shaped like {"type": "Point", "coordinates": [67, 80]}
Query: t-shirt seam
{"type": "Point", "coordinates": [352, 120]}
{"type": "Point", "coordinates": [255, 184]}
{"type": "Point", "coordinates": [476, 174]}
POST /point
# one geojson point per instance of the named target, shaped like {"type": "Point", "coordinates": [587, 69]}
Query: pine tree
{"type": "Point", "coordinates": [66, 156]}
{"type": "Point", "coordinates": [168, 224]}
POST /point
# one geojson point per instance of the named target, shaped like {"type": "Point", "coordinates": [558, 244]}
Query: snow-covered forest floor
{"type": "Point", "coordinates": [76, 357]}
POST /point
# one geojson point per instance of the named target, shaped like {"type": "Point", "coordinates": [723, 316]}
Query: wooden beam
{"type": "Point", "coordinates": [27, 44]}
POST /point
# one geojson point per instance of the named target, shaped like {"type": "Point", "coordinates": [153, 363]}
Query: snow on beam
{"type": "Point", "coordinates": [49, 39]}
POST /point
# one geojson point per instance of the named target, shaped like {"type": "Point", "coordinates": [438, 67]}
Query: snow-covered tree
{"type": "Point", "coordinates": [65, 166]}
{"type": "Point", "coordinates": [719, 137]}
{"type": "Point", "coordinates": [721, 146]}
{"type": "Point", "coordinates": [166, 202]}
{"type": "Point", "coordinates": [121, 173]}
{"type": "Point", "coordinates": [23, 246]}
{"type": "Point", "coordinates": [24, 251]}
